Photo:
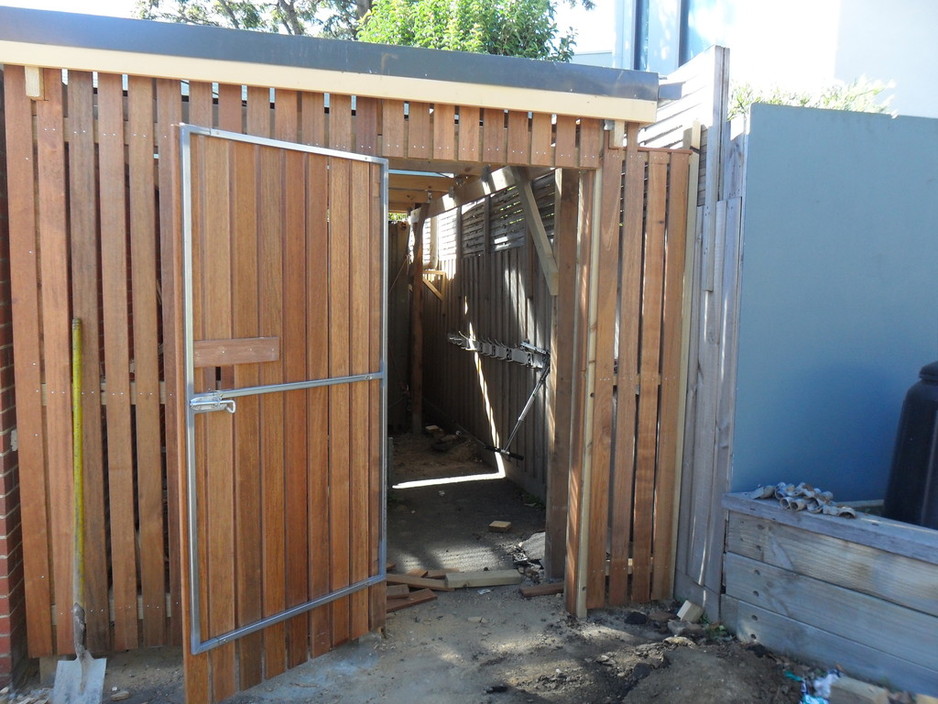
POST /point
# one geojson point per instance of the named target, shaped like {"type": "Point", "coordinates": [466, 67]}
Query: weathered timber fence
{"type": "Point", "coordinates": [490, 287]}
{"type": "Point", "coordinates": [620, 535]}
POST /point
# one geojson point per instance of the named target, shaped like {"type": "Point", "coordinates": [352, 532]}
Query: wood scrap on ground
{"type": "Point", "coordinates": [487, 578]}
{"type": "Point", "coordinates": [412, 599]}
{"type": "Point", "coordinates": [438, 585]}
{"type": "Point", "coordinates": [413, 588]}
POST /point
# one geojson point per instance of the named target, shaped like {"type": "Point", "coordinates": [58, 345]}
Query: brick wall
{"type": "Point", "coordinates": [12, 606]}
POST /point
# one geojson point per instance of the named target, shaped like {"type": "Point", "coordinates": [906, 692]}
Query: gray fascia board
{"type": "Point", "coordinates": [170, 39]}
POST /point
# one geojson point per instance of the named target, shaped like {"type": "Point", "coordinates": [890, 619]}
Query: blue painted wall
{"type": "Point", "coordinates": [839, 303]}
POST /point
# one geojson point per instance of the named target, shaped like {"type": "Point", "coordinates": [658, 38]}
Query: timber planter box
{"type": "Point", "coordinates": [858, 593]}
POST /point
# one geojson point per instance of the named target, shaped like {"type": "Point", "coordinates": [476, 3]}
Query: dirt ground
{"type": "Point", "coordinates": [491, 645]}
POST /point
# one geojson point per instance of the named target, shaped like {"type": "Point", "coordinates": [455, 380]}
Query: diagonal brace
{"type": "Point", "coordinates": [545, 251]}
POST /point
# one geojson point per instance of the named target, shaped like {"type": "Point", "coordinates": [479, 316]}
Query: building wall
{"type": "Point", "coordinates": [839, 307]}
{"type": "Point", "coordinates": [801, 44]}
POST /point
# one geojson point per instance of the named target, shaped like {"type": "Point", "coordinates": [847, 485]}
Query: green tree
{"type": "Point", "coordinates": [525, 28]}
{"type": "Point", "coordinates": [861, 95]}
{"type": "Point", "coordinates": [334, 18]}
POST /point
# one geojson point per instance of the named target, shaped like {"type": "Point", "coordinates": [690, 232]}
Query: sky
{"type": "Point", "coordinates": [594, 28]}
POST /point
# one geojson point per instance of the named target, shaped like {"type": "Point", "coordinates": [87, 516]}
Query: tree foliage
{"type": "Point", "coordinates": [525, 28]}
{"type": "Point", "coordinates": [334, 18]}
{"type": "Point", "coordinates": [861, 95]}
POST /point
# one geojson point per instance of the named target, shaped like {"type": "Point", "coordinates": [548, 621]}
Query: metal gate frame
{"type": "Point", "coordinates": [224, 400]}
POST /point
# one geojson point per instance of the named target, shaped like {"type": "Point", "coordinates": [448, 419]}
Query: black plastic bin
{"type": "Point", "coordinates": [912, 495]}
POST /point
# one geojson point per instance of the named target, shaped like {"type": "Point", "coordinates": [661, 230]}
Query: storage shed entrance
{"type": "Point", "coordinates": [95, 230]}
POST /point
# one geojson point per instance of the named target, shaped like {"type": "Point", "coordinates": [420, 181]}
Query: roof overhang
{"type": "Point", "coordinates": [167, 50]}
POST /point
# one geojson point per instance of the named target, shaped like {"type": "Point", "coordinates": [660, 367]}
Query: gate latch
{"type": "Point", "coordinates": [206, 403]}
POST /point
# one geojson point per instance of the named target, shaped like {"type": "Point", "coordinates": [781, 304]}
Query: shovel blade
{"type": "Point", "coordinates": [79, 681]}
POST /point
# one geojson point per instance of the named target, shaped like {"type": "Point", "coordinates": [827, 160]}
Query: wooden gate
{"type": "Point", "coordinates": [282, 264]}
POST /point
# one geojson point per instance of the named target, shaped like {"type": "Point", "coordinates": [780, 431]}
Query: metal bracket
{"type": "Point", "coordinates": [207, 403]}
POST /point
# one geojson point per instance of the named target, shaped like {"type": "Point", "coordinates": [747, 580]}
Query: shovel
{"type": "Point", "coordinates": [78, 681]}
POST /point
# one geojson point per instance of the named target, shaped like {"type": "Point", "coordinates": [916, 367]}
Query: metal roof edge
{"type": "Point", "coordinates": [63, 29]}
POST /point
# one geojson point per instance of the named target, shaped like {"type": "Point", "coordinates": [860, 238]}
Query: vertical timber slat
{"type": "Point", "coordinates": [216, 324]}
{"type": "Point", "coordinates": [84, 265]}
{"type": "Point", "coordinates": [55, 335]}
{"type": "Point", "coordinates": [600, 477]}
{"type": "Point", "coordinates": [647, 437]}
{"type": "Point", "coordinates": [145, 346]}
{"type": "Point", "coordinates": [247, 480]}
{"type": "Point", "coordinates": [339, 431]}
{"type": "Point", "coordinates": [662, 548]}
{"type": "Point", "coordinates": [317, 325]}
{"type": "Point", "coordinates": [24, 282]}
{"type": "Point", "coordinates": [117, 359]}
{"type": "Point", "coordinates": [294, 346]}
{"type": "Point", "coordinates": [629, 316]}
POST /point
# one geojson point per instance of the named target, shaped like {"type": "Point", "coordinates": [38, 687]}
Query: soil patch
{"type": "Point", "coordinates": [488, 645]}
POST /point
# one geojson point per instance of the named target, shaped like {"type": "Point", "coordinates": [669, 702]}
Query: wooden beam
{"type": "Point", "coordinates": [560, 381]}
{"type": "Point", "coordinates": [476, 188]}
{"type": "Point", "coordinates": [35, 85]}
{"type": "Point", "coordinates": [244, 350]}
{"type": "Point", "coordinates": [542, 245]}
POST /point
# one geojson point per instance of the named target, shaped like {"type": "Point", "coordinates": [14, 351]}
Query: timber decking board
{"type": "Point", "coordinates": [630, 312]}
{"type": "Point", "coordinates": [117, 359]}
{"type": "Point", "coordinates": [56, 328]}
{"type": "Point", "coordinates": [25, 305]}
{"type": "Point", "coordinates": [83, 241]}
{"type": "Point", "coordinates": [806, 641]}
{"type": "Point", "coordinates": [891, 576]}
{"type": "Point", "coordinates": [674, 264]}
{"type": "Point", "coordinates": [646, 454]}
{"type": "Point", "coordinates": [842, 612]}
{"type": "Point", "coordinates": [146, 346]}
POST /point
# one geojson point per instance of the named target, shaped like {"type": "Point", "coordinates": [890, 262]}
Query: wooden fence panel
{"type": "Point", "coordinates": [651, 287]}
{"type": "Point", "coordinates": [120, 220]}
